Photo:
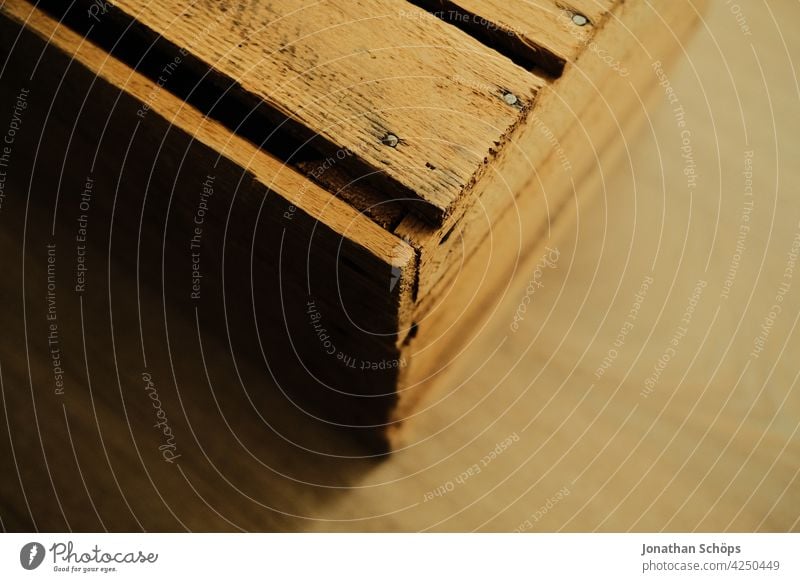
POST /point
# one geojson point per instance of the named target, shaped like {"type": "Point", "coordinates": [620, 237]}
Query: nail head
{"type": "Point", "coordinates": [510, 98]}
{"type": "Point", "coordinates": [579, 20]}
{"type": "Point", "coordinates": [390, 140]}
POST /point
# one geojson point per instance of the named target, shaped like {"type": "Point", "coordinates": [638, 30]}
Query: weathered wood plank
{"type": "Point", "coordinates": [538, 33]}
{"type": "Point", "coordinates": [358, 74]}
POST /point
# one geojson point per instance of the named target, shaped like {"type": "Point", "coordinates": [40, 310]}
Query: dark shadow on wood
{"type": "Point", "coordinates": [174, 412]}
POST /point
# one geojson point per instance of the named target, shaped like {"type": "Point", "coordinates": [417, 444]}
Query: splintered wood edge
{"type": "Point", "coordinates": [321, 205]}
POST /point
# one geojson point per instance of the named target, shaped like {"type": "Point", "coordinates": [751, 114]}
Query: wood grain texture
{"type": "Point", "coordinates": [539, 32]}
{"type": "Point", "coordinates": [354, 72]}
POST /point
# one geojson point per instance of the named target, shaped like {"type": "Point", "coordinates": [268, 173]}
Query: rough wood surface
{"type": "Point", "coordinates": [545, 33]}
{"type": "Point", "coordinates": [354, 73]}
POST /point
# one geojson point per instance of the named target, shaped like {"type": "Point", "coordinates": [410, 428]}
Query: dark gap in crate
{"type": "Point", "coordinates": [412, 333]}
{"type": "Point", "coordinates": [505, 41]}
{"type": "Point", "coordinates": [244, 114]}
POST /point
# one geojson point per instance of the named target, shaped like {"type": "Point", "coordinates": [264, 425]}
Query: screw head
{"type": "Point", "coordinates": [579, 20]}
{"type": "Point", "coordinates": [510, 98]}
{"type": "Point", "coordinates": [390, 140]}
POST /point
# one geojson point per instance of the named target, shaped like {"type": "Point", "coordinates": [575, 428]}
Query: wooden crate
{"type": "Point", "coordinates": [361, 181]}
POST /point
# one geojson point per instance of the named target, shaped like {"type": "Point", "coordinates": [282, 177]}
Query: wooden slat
{"type": "Point", "coordinates": [353, 72]}
{"type": "Point", "coordinates": [537, 31]}
{"type": "Point", "coordinates": [278, 177]}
